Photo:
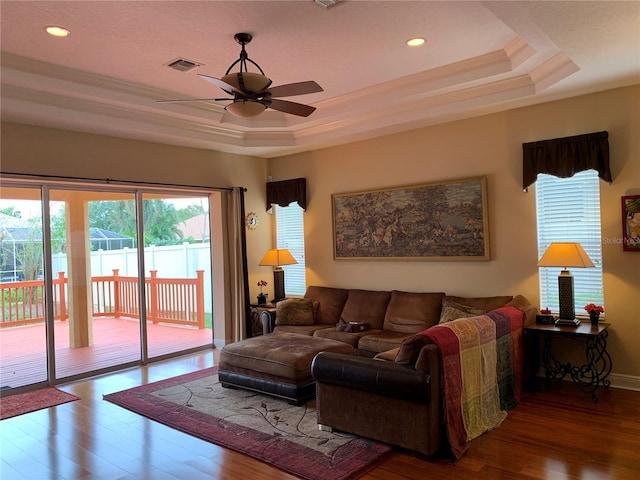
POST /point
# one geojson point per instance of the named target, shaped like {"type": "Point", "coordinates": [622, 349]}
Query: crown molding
{"type": "Point", "coordinates": [42, 93]}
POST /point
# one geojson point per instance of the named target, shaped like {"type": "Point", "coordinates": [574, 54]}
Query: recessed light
{"type": "Point", "coordinates": [415, 42]}
{"type": "Point", "coordinates": [57, 31]}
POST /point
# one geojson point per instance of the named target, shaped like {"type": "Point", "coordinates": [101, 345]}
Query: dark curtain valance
{"type": "Point", "coordinates": [286, 191]}
{"type": "Point", "coordinates": [564, 157]}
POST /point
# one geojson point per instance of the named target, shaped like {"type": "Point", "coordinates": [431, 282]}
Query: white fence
{"type": "Point", "coordinates": [174, 261]}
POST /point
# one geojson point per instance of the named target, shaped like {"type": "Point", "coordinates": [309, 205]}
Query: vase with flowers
{"type": "Point", "coordinates": [262, 298]}
{"type": "Point", "coordinates": [594, 312]}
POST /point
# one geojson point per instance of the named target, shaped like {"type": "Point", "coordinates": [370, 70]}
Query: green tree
{"type": "Point", "coordinates": [11, 211]}
{"type": "Point", "coordinates": [58, 231]}
{"type": "Point", "coordinates": [160, 224]}
{"type": "Point", "coordinates": [30, 255]}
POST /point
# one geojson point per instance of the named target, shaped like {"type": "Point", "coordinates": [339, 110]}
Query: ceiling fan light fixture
{"type": "Point", "coordinates": [245, 108]}
{"type": "Point", "coordinates": [252, 92]}
{"type": "Point", "coordinates": [247, 81]}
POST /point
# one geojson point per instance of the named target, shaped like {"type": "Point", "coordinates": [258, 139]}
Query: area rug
{"type": "Point", "coordinates": [13, 405]}
{"type": "Point", "coordinates": [261, 426]}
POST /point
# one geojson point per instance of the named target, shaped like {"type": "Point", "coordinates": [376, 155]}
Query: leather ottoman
{"type": "Point", "coordinates": [278, 364]}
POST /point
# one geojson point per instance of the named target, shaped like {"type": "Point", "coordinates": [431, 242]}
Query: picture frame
{"type": "Point", "coordinates": [631, 223]}
{"type": "Point", "coordinates": [443, 221]}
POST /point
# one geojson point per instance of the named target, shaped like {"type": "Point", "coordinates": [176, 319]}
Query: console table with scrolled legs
{"type": "Point", "coordinates": [587, 377]}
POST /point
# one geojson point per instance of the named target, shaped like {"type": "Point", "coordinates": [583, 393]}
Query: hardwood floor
{"type": "Point", "coordinates": [557, 433]}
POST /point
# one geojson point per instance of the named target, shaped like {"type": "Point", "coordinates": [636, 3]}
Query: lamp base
{"type": "Point", "coordinates": [563, 322]}
{"type": "Point", "coordinates": [278, 284]}
{"type": "Point", "coordinates": [565, 293]}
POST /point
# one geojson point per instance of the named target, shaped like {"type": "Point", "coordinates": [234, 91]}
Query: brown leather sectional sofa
{"type": "Point", "coordinates": [356, 394]}
{"type": "Point", "coordinates": [389, 317]}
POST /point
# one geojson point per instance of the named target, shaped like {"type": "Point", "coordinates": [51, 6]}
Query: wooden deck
{"type": "Point", "coordinates": [115, 342]}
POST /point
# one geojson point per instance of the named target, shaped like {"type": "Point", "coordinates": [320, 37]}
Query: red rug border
{"type": "Point", "coordinates": [68, 397]}
{"type": "Point", "coordinates": [140, 401]}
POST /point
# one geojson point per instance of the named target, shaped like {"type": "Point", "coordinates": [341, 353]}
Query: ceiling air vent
{"type": "Point", "coordinates": [183, 65]}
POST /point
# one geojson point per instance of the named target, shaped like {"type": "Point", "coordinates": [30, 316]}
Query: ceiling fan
{"type": "Point", "coordinates": [252, 92]}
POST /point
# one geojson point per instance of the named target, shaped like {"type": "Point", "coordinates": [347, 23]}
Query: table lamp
{"type": "Point", "coordinates": [566, 254]}
{"type": "Point", "coordinates": [277, 257]}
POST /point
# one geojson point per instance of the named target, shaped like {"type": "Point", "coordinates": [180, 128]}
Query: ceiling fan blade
{"type": "Point", "coordinates": [194, 100]}
{"type": "Point", "coordinates": [291, 107]}
{"type": "Point", "coordinates": [292, 89]}
{"type": "Point", "coordinates": [223, 85]}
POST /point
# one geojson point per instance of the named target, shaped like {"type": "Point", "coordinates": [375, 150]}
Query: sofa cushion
{"type": "Point", "coordinates": [410, 349]}
{"type": "Point", "coordinates": [352, 338]}
{"type": "Point", "coordinates": [301, 329]}
{"type": "Point", "coordinates": [453, 311]}
{"type": "Point", "coordinates": [410, 312]}
{"type": "Point", "coordinates": [485, 303]}
{"type": "Point", "coordinates": [295, 311]}
{"type": "Point", "coordinates": [282, 356]}
{"type": "Point", "coordinates": [381, 341]}
{"type": "Point", "coordinates": [331, 302]}
{"type": "Point", "coordinates": [522, 303]}
{"type": "Point", "coordinates": [388, 356]}
{"type": "Point", "coordinates": [366, 306]}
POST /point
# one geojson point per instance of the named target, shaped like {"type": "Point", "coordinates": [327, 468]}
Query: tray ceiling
{"type": "Point", "coordinates": [479, 57]}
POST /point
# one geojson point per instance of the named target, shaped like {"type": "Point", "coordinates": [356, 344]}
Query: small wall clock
{"type": "Point", "coordinates": [251, 221]}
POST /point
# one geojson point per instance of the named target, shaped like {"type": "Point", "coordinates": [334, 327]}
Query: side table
{"type": "Point", "coordinates": [594, 372]}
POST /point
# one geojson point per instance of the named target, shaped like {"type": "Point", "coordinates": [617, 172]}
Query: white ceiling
{"type": "Point", "coordinates": [480, 57]}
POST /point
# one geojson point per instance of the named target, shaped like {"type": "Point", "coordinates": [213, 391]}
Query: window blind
{"type": "Point", "coordinates": [568, 210]}
{"type": "Point", "coordinates": [290, 235]}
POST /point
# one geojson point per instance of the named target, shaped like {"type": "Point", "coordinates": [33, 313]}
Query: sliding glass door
{"type": "Point", "coordinates": [177, 273]}
{"type": "Point", "coordinates": [130, 275]}
{"type": "Point", "coordinates": [23, 341]}
{"type": "Point", "coordinates": [94, 265]}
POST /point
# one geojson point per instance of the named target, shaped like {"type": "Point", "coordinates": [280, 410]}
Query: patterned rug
{"type": "Point", "coordinates": [263, 427]}
{"type": "Point", "coordinates": [13, 405]}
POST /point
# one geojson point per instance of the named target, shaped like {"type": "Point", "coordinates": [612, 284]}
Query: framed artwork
{"type": "Point", "coordinates": [444, 221]}
{"type": "Point", "coordinates": [631, 223]}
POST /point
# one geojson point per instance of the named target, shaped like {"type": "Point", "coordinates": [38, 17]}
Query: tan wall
{"type": "Point", "coordinates": [491, 146]}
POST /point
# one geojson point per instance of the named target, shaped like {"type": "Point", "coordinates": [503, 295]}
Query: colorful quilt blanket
{"type": "Point", "coordinates": [481, 361]}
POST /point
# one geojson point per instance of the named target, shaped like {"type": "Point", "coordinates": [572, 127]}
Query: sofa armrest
{"type": "Point", "coordinates": [373, 376]}
{"type": "Point", "coordinates": [268, 320]}
{"type": "Point", "coordinates": [428, 360]}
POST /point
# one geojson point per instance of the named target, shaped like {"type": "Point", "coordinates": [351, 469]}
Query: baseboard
{"type": "Point", "coordinates": [626, 382]}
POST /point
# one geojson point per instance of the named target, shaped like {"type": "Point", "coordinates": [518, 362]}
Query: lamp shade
{"type": "Point", "coordinates": [276, 257]}
{"type": "Point", "coordinates": [565, 254]}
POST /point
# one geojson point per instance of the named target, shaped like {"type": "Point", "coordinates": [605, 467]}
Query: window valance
{"type": "Point", "coordinates": [563, 157]}
{"type": "Point", "coordinates": [286, 191]}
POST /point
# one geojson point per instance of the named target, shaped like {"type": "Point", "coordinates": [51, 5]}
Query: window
{"type": "Point", "coordinates": [568, 210]}
{"type": "Point", "coordinates": [290, 235]}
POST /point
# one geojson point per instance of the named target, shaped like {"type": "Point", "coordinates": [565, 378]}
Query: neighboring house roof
{"type": "Point", "coordinates": [13, 228]}
{"type": "Point", "coordinates": [196, 227]}
{"type": "Point", "coordinates": [108, 240]}
{"type": "Point", "coordinates": [96, 233]}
